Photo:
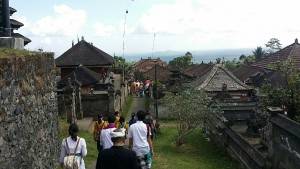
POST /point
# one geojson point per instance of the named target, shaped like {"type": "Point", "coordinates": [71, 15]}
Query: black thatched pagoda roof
{"type": "Point", "coordinates": [17, 35]}
{"type": "Point", "coordinates": [12, 10]}
{"type": "Point", "coordinates": [86, 54]}
{"type": "Point", "coordinates": [15, 24]}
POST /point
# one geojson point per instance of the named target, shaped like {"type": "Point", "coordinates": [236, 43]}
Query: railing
{"type": "Point", "coordinates": [244, 151]}
{"type": "Point", "coordinates": [234, 143]}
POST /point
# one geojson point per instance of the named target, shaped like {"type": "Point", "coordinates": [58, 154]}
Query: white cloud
{"type": "Point", "coordinates": [65, 22]}
{"type": "Point", "coordinates": [46, 41]}
{"type": "Point", "coordinates": [229, 22]}
{"type": "Point", "coordinates": [103, 30]}
{"type": "Point", "coordinates": [23, 20]}
{"type": "Point", "coordinates": [128, 29]}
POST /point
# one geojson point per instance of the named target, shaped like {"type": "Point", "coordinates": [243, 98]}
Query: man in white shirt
{"type": "Point", "coordinates": [140, 140]}
{"type": "Point", "coordinates": [105, 137]}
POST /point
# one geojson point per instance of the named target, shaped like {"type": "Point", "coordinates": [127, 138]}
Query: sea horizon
{"type": "Point", "coordinates": [198, 56]}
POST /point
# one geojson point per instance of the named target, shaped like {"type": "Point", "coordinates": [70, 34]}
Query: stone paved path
{"type": "Point", "coordinates": [138, 103]}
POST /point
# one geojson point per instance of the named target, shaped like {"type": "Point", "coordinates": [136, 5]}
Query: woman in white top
{"type": "Point", "coordinates": [72, 142]}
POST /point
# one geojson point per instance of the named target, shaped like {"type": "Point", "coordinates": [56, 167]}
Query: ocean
{"type": "Point", "coordinates": [198, 56]}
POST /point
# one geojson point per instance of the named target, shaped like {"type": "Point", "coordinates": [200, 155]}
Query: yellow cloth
{"type": "Point", "coordinates": [97, 129]}
{"type": "Point", "coordinates": [99, 126]}
{"type": "Point", "coordinates": [117, 121]}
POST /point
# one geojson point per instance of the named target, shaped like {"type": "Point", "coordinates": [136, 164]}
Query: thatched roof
{"type": "Point", "coordinates": [162, 73]}
{"type": "Point", "coordinates": [144, 65]}
{"type": "Point", "coordinates": [215, 77]}
{"type": "Point", "coordinates": [86, 54]}
{"type": "Point", "coordinates": [291, 51]}
{"type": "Point", "coordinates": [17, 35]}
{"type": "Point", "coordinates": [197, 70]}
{"type": "Point", "coordinates": [83, 75]}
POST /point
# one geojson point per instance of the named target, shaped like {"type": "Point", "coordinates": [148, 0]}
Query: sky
{"type": "Point", "coordinates": [156, 25]}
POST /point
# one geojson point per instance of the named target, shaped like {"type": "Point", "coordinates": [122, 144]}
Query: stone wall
{"type": "Point", "coordinates": [232, 142]}
{"type": "Point", "coordinates": [92, 105]}
{"type": "Point", "coordinates": [28, 111]}
{"type": "Point", "coordinates": [284, 147]}
{"type": "Point", "coordinates": [102, 101]}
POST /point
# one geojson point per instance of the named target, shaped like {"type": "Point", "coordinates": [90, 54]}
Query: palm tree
{"type": "Point", "coordinates": [259, 53]}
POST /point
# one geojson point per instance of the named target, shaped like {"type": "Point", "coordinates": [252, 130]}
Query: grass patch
{"type": "Point", "coordinates": [63, 129]}
{"type": "Point", "coordinates": [88, 136]}
{"type": "Point", "coordinates": [197, 154]}
{"type": "Point", "coordinates": [128, 105]}
{"type": "Point", "coordinates": [7, 52]}
{"type": "Point", "coordinates": [91, 147]}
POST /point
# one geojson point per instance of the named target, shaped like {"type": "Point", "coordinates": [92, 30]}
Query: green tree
{"type": "Point", "coordinates": [248, 59]}
{"type": "Point", "coordinates": [189, 108]}
{"type": "Point", "coordinates": [121, 63]}
{"type": "Point", "coordinates": [242, 57]}
{"type": "Point", "coordinates": [232, 65]}
{"type": "Point", "coordinates": [286, 96]}
{"type": "Point", "coordinates": [259, 53]}
{"type": "Point", "coordinates": [274, 45]}
{"type": "Point", "coordinates": [182, 61]}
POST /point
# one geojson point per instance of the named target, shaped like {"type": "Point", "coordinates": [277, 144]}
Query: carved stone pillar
{"type": "Point", "coordinates": [111, 98]}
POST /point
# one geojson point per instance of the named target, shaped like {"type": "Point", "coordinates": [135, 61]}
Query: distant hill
{"type": "Point", "coordinates": [198, 56]}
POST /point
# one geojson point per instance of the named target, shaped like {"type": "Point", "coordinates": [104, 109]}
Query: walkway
{"type": "Point", "coordinates": [138, 103]}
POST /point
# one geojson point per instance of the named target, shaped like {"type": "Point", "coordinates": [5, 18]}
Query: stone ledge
{"type": "Point", "coordinates": [14, 43]}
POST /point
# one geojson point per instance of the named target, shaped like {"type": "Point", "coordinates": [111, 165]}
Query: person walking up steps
{"type": "Point", "coordinates": [117, 157]}
{"type": "Point", "coordinates": [133, 119]}
{"type": "Point", "coordinates": [105, 138]}
{"type": "Point", "coordinates": [73, 146]}
{"type": "Point", "coordinates": [123, 124]}
{"type": "Point", "coordinates": [117, 118]}
{"type": "Point", "coordinates": [140, 141]}
{"type": "Point", "coordinates": [98, 126]}
{"type": "Point", "coordinates": [149, 121]}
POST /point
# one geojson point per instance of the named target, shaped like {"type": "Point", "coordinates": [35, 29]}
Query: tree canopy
{"type": "Point", "coordinates": [121, 63]}
{"type": "Point", "coordinates": [286, 96]}
{"type": "Point", "coordinates": [259, 53]}
{"type": "Point", "coordinates": [182, 61]}
{"type": "Point", "coordinates": [274, 45]}
{"type": "Point", "coordinates": [189, 108]}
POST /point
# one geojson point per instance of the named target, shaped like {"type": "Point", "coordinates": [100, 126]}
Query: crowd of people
{"type": "Point", "coordinates": [139, 88]}
{"type": "Point", "coordinates": [110, 136]}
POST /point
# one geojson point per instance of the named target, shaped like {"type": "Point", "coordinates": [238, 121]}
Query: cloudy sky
{"type": "Point", "coordinates": [180, 25]}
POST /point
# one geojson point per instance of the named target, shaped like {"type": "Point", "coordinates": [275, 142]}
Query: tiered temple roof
{"type": "Point", "coordinates": [14, 24]}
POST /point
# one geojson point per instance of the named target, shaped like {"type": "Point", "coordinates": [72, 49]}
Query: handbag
{"type": "Point", "coordinates": [72, 161]}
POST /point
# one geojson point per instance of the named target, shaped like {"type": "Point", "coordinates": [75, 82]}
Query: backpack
{"type": "Point", "coordinates": [149, 120]}
{"type": "Point", "coordinates": [71, 161]}
{"type": "Point", "coordinates": [150, 129]}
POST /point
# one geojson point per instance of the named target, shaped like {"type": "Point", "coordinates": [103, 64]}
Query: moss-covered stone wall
{"type": "Point", "coordinates": [28, 110]}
